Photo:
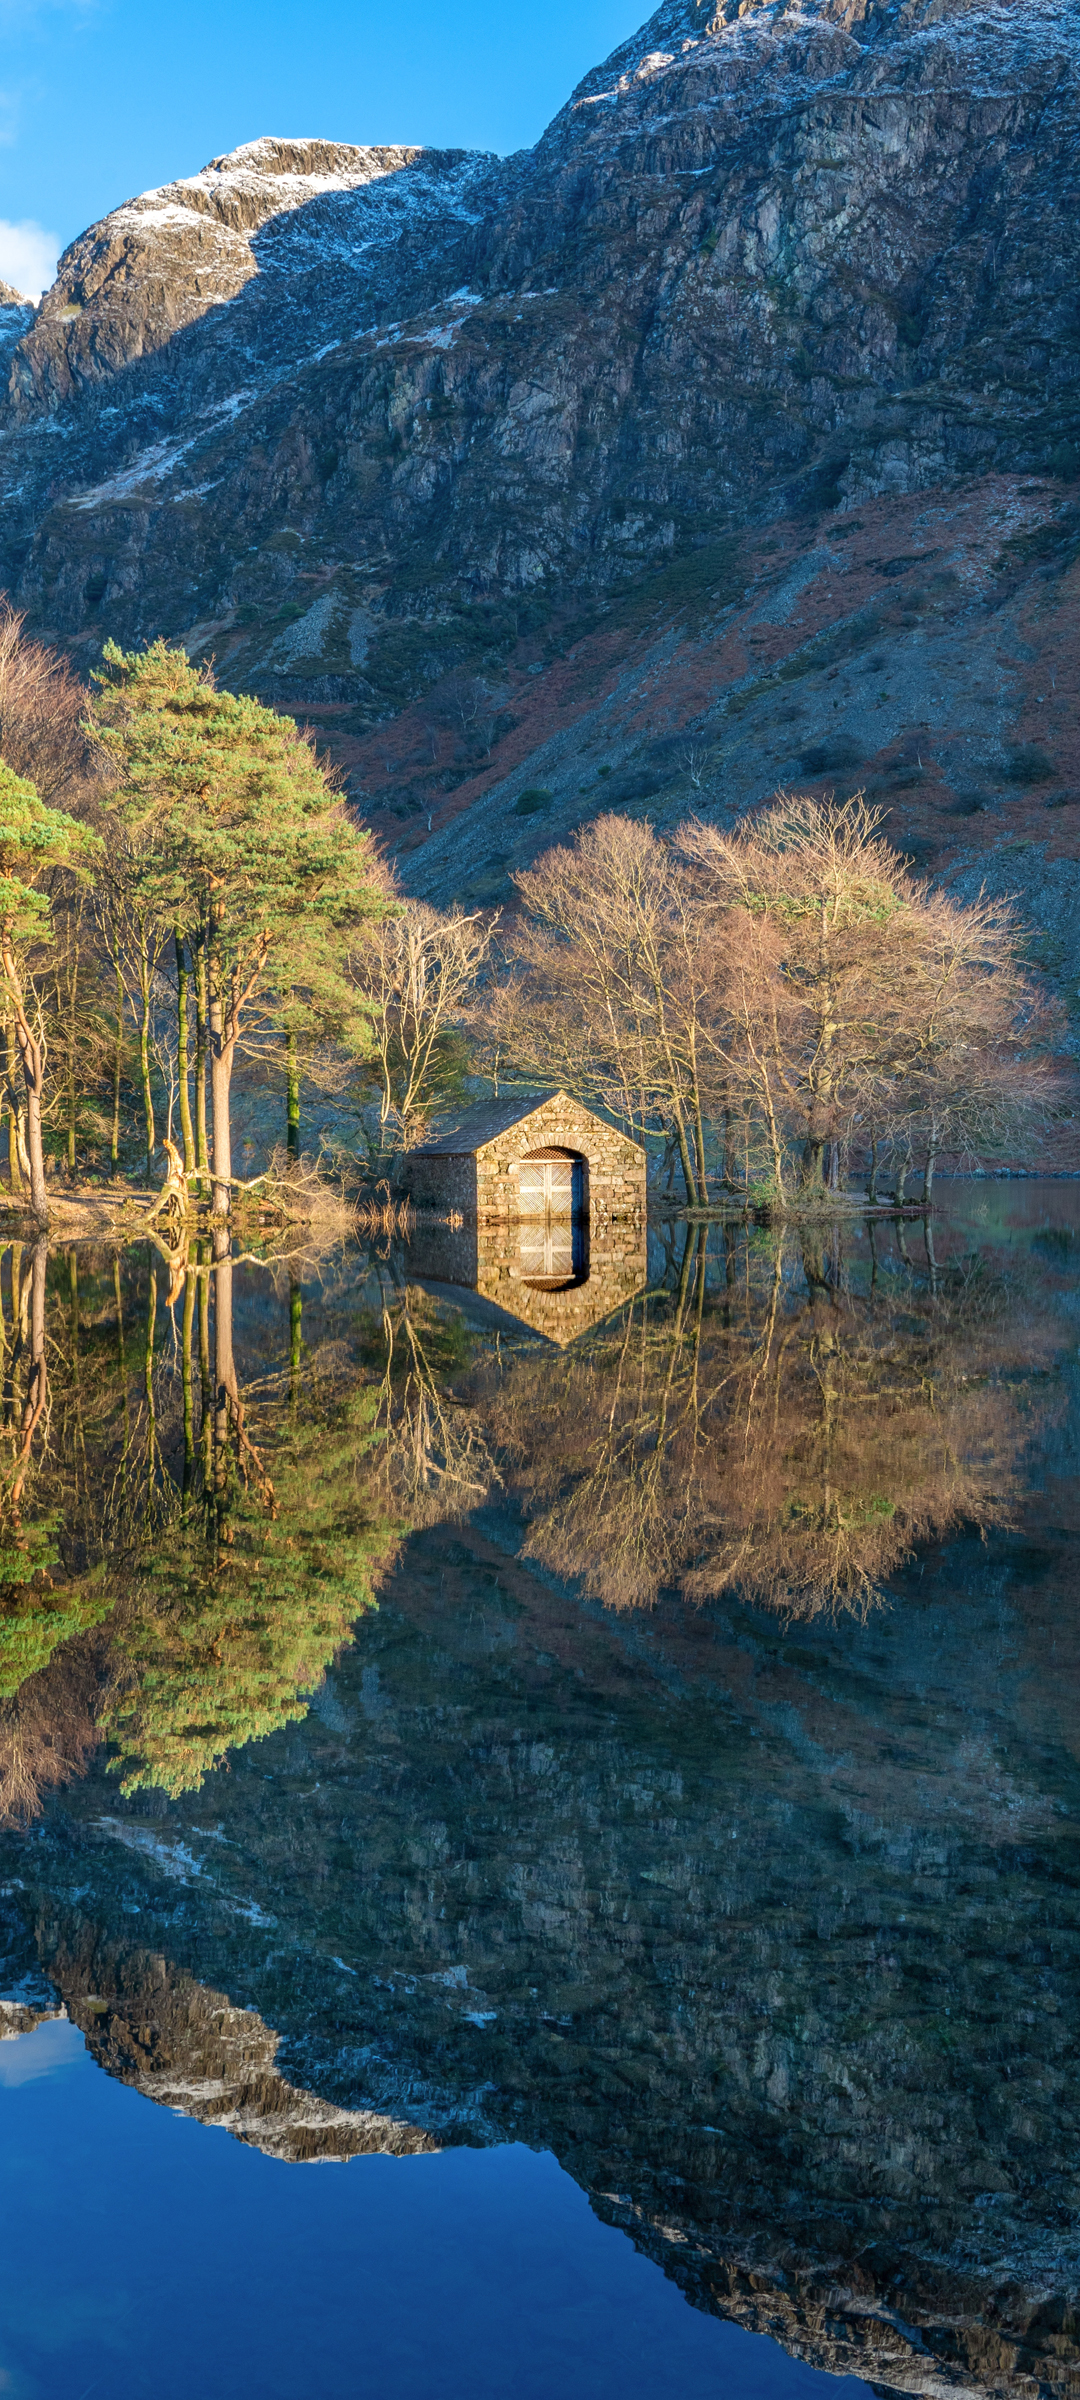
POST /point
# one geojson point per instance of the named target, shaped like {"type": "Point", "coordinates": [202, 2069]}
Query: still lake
{"type": "Point", "coordinates": [540, 1849]}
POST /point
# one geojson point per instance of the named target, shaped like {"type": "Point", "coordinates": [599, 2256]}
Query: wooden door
{"type": "Point", "coordinates": [546, 1187]}
{"type": "Point", "coordinates": [551, 1198]}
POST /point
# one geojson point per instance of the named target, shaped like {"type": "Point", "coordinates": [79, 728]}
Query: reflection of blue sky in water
{"type": "Point", "coordinates": [162, 2263]}
{"type": "Point", "coordinates": [46, 2051]}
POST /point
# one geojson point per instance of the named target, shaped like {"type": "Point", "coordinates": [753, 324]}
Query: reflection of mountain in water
{"type": "Point", "coordinates": [769, 1928]}
{"type": "Point", "coordinates": [189, 2048]}
{"type": "Point", "coordinates": [746, 1928]}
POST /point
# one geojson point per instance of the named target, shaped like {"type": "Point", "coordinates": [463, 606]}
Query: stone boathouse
{"type": "Point", "coordinates": [538, 1154]}
{"type": "Point", "coordinates": [543, 1209]}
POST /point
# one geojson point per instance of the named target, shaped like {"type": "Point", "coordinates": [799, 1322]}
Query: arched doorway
{"type": "Point", "coordinates": [553, 1203]}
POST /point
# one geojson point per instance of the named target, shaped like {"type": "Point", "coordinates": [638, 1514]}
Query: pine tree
{"type": "Point", "coordinates": [33, 840]}
{"type": "Point", "coordinates": [252, 855]}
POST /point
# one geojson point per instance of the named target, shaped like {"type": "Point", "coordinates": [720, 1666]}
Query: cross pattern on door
{"type": "Point", "coordinates": [546, 1187]}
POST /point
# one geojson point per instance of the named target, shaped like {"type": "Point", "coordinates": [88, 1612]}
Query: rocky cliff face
{"type": "Point", "coordinates": [508, 473]}
{"type": "Point", "coordinates": [16, 318]}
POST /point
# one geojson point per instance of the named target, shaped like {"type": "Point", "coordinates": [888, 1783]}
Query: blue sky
{"type": "Point", "coordinates": [103, 98]}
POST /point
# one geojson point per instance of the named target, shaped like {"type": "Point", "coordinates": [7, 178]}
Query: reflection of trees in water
{"type": "Point", "coordinates": [45, 1734]}
{"type": "Point", "coordinates": [184, 1546]}
{"type": "Point", "coordinates": [272, 1545]}
{"type": "Point", "coordinates": [261, 1575]}
{"type": "Point", "coordinates": [434, 1460]}
{"type": "Point", "coordinates": [785, 1436]}
{"type": "Point", "coordinates": [230, 1564]}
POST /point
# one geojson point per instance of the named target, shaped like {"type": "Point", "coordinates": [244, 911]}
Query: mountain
{"type": "Point", "coordinates": [16, 317]}
{"type": "Point", "coordinates": [729, 438]}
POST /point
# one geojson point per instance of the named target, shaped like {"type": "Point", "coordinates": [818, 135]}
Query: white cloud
{"type": "Point", "coordinates": [28, 256]}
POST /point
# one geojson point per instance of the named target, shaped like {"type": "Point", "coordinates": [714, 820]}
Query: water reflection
{"type": "Point", "coordinates": [188, 1537]}
{"type": "Point", "coordinates": [761, 1913]}
{"type": "Point", "coordinates": [553, 1252]}
{"type": "Point", "coordinates": [553, 1272]}
{"type": "Point", "coordinates": [187, 1548]}
{"type": "Point", "coordinates": [784, 1422]}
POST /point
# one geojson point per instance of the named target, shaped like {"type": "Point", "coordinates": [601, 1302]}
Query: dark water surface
{"type": "Point", "coordinates": [590, 1805]}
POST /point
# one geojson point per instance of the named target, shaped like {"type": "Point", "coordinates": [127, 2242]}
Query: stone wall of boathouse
{"type": "Point", "coordinates": [485, 1182]}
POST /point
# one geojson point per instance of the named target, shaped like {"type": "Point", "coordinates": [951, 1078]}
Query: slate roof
{"type": "Point", "coordinates": [480, 1125]}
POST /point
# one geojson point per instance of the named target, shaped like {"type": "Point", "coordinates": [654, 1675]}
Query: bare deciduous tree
{"type": "Point", "coordinates": [788, 989]}
{"type": "Point", "coordinates": [42, 708]}
{"type": "Point", "coordinates": [466, 706]}
{"type": "Point", "coordinates": [606, 991]}
{"type": "Point", "coordinates": [417, 971]}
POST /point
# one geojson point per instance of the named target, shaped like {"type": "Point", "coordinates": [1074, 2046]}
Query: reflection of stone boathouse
{"type": "Point", "coordinates": [552, 1203]}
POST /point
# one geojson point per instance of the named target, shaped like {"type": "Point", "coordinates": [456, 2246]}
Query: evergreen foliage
{"type": "Point", "coordinates": [244, 847]}
{"type": "Point", "coordinates": [34, 841]}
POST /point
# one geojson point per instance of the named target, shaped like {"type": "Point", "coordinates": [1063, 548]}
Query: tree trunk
{"type": "Point", "coordinates": [174, 1200]}
{"type": "Point", "coordinates": [813, 1174]}
{"type": "Point", "coordinates": [21, 1152]}
{"type": "Point", "coordinates": [220, 1081]}
{"type": "Point", "coordinates": [182, 1050]}
{"type": "Point", "coordinates": [872, 1189]}
{"type": "Point", "coordinates": [765, 1090]}
{"type": "Point", "coordinates": [221, 1059]}
{"type": "Point", "coordinates": [699, 1146]}
{"type": "Point", "coordinates": [684, 1156]}
{"type": "Point", "coordinates": [118, 1060]}
{"type": "Point", "coordinates": [72, 1090]}
{"type": "Point", "coordinates": [144, 1057]}
{"type": "Point", "coordinates": [292, 1113]}
{"type": "Point", "coordinates": [39, 1198]}
{"type": "Point", "coordinates": [32, 1057]}
{"type": "Point", "coordinates": [202, 1153]}
{"type": "Point", "coordinates": [677, 1108]}
{"type": "Point", "coordinates": [931, 1162]}
{"type": "Point", "coordinates": [15, 1166]}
